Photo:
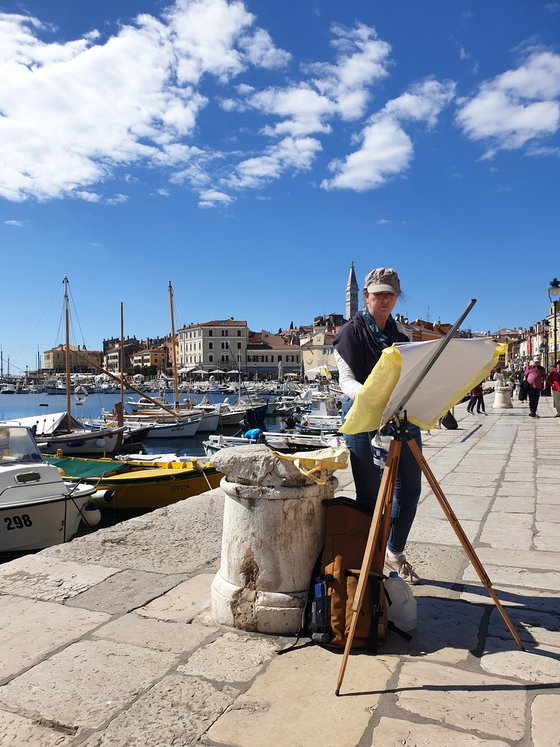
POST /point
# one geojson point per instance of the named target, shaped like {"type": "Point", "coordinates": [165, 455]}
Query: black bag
{"type": "Point", "coordinates": [523, 389]}
{"type": "Point", "coordinates": [448, 421]}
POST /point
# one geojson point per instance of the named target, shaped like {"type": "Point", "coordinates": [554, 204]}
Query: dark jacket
{"type": "Point", "coordinates": [358, 348]}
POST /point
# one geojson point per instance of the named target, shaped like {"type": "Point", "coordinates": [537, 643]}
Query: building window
{"type": "Point", "coordinates": [211, 358]}
{"type": "Point", "coordinates": [210, 333]}
{"type": "Point", "coordinates": [224, 333]}
{"type": "Point", "coordinates": [239, 346]}
{"type": "Point", "coordinates": [239, 333]}
{"type": "Point", "coordinates": [210, 345]}
{"type": "Point", "coordinates": [224, 345]}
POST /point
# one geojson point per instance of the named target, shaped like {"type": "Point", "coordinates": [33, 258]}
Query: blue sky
{"type": "Point", "coordinates": [250, 151]}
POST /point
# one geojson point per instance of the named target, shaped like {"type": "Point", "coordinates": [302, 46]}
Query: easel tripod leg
{"type": "Point", "coordinates": [379, 526]}
{"type": "Point", "coordinates": [463, 539]}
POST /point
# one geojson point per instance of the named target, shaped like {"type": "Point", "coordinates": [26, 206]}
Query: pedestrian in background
{"type": "Point", "coordinates": [477, 398]}
{"type": "Point", "coordinates": [554, 382]}
{"type": "Point", "coordinates": [535, 376]}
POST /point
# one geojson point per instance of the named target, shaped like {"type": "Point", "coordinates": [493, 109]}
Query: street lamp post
{"type": "Point", "coordinates": [553, 294]}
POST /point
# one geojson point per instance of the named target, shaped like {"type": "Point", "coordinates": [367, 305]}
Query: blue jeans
{"type": "Point", "coordinates": [367, 478]}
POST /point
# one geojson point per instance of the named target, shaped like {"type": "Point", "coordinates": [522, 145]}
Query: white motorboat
{"type": "Point", "coordinates": [37, 508]}
{"type": "Point", "coordinates": [277, 441]}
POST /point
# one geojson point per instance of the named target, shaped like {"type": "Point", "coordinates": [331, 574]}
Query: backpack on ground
{"type": "Point", "coordinates": [328, 612]}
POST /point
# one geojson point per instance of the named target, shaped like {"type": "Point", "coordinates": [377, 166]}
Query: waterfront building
{"type": "Point", "coordinates": [112, 354]}
{"type": "Point", "coordinates": [318, 351]}
{"type": "Point", "coordinates": [220, 344]}
{"type": "Point", "coordinates": [81, 359]}
{"type": "Point", "coordinates": [154, 357]}
{"type": "Point", "coordinates": [269, 356]}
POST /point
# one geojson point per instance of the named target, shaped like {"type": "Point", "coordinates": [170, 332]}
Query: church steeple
{"type": "Point", "coordinates": [351, 293]}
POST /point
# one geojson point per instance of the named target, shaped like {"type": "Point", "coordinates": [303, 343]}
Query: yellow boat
{"type": "Point", "coordinates": [136, 485]}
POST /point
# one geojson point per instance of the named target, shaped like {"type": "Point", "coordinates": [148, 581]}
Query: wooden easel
{"type": "Point", "coordinates": [381, 524]}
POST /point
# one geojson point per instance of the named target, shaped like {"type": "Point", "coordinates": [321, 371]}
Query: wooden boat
{"type": "Point", "coordinates": [283, 442]}
{"type": "Point", "coordinates": [37, 508]}
{"type": "Point", "coordinates": [136, 485]}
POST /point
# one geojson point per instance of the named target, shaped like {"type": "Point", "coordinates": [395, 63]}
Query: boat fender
{"type": "Point", "coordinates": [102, 496]}
{"type": "Point", "coordinates": [100, 442]}
{"type": "Point", "coordinates": [91, 515]}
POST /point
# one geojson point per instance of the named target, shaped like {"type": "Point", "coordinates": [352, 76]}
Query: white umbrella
{"type": "Point", "coordinates": [217, 370]}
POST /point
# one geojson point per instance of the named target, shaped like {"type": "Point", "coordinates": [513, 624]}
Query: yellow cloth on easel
{"type": "Point", "coordinates": [462, 365]}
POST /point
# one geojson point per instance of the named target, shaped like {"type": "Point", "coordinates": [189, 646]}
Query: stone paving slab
{"type": "Point", "coordinates": [508, 530]}
{"type": "Point", "coordinates": [17, 730]}
{"type": "Point", "coordinates": [160, 635]}
{"type": "Point", "coordinates": [539, 664]}
{"type": "Point", "coordinates": [176, 711]}
{"type": "Point", "coordinates": [544, 729]}
{"type": "Point", "coordinates": [293, 703]}
{"type": "Point", "coordinates": [33, 629]}
{"type": "Point", "coordinates": [51, 580]}
{"type": "Point", "coordinates": [233, 658]}
{"type": "Point", "coordinates": [504, 575]}
{"type": "Point", "coordinates": [125, 591]}
{"type": "Point", "coordinates": [392, 732]}
{"type": "Point", "coordinates": [130, 544]}
{"type": "Point", "coordinates": [446, 632]}
{"type": "Point", "coordinates": [110, 676]}
{"type": "Point", "coordinates": [465, 507]}
{"type": "Point", "coordinates": [182, 603]}
{"type": "Point", "coordinates": [511, 596]}
{"type": "Point", "coordinates": [483, 705]}
{"type": "Point", "coordinates": [439, 531]}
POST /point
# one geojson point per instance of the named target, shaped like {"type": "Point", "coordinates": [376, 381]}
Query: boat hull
{"type": "Point", "coordinates": [40, 524]}
{"type": "Point", "coordinates": [141, 491]}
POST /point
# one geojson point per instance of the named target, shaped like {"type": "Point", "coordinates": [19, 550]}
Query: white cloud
{"type": "Point", "coordinates": [517, 106]}
{"type": "Point", "coordinates": [290, 153]}
{"type": "Point", "coordinates": [422, 102]}
{"type": "Point", "coordinates": [385, 148]}
{"type": "Point", "coordinates": [17, 223]}
{"type": "Point", "coordinates": [74, 112]}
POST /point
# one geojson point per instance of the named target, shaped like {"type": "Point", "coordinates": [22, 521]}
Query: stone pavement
{"type": "Point", "coordinates": [108, 640]}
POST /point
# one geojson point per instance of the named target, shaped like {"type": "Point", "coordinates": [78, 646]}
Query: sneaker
{"type": "Point", "coordinates": [532, 415]}
{"type": "Point", "coordinates": [403, 568]}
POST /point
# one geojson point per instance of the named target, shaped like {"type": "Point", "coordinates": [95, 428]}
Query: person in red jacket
{"type": "Point", "coordinates": [535, 376]}
{"type": "Point", "coordinates": [553, 380]}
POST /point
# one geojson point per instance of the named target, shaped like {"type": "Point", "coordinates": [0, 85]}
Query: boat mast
{"type": "Point", "coordinates": [67, 323]}
{"type": "Point", "coordinates": [120, 418]}
{"type": "Point", "coordinates": [175, 377]}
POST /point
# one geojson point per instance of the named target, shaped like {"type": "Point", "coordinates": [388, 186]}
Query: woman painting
{"type": "Point", "coordinates": [358, 346]}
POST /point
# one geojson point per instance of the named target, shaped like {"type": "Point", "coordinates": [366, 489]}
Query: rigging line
{"type": "Point", "coordinates": [41, 317]}
{"type": "Point", "coordinates": [75, 312]}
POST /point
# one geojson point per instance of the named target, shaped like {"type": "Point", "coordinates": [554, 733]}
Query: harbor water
{"type": "Point", "coordinates": [13, 406]}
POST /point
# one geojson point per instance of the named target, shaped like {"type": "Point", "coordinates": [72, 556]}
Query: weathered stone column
{"type": "Point", "coordinates": [502, 398]}
{"type": "Point", "coordinates": [272, 536]}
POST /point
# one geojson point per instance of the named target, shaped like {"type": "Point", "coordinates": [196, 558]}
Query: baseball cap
{"type": "Point", "coordinates": [383, 280]}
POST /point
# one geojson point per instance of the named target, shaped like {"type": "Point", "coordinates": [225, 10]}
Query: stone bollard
{"type": "Point", "coordinates": [273, 533]}
{"type": "Point", "coordinates": [502, 398]}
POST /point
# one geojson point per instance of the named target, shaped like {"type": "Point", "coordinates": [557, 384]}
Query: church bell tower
{"type": "Point", "coordinates": [351, 293]}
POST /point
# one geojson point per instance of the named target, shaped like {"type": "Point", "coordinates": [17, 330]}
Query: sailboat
{"type": "Point", "coordinates": [59, 431]}
{"type": "Point", "coordinates": [178, 415]}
